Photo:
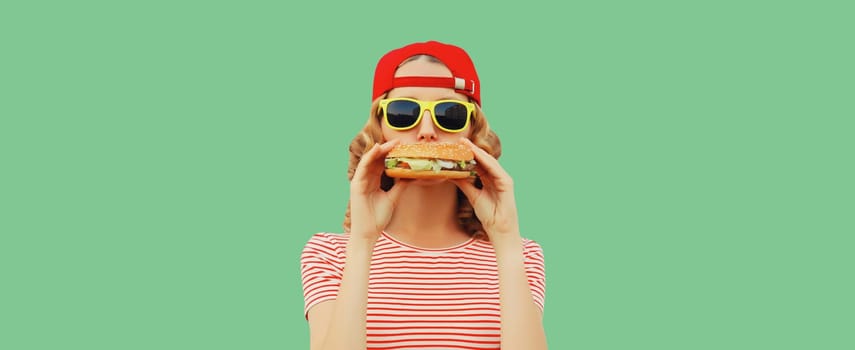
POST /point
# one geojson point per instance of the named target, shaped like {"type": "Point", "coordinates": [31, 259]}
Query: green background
{"type": "Point", "coordinates": [687, 166]}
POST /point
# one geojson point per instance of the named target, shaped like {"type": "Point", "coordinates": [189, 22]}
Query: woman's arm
{"type": "Point", "coordinates": [495, 207]}
{"type": "Point", "coordinates": [340, 323]}
{"type": "Point", "coordinates": [522, 325]}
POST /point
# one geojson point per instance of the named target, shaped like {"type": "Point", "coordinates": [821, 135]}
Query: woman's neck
{"type": "Point", "coordinates": [426, 216]}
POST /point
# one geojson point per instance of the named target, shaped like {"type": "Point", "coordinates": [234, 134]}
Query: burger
{"type": "Point", "coordinates": [433, 160]}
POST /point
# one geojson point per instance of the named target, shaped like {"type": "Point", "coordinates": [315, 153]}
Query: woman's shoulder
{"type": "Point", "coordinates": [327, 241]}
{"type": "Point", "coordinates": [531, 246]}
{"type": "Point", "coordinates": [528, 242]}
{"type": "Point", "coordinates": [533, 255]}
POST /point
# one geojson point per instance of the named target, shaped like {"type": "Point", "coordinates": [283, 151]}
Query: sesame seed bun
{"type": "Point", "coordinates": [433, 150]}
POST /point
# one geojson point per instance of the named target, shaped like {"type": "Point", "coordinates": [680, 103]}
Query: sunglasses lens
{"type": "Point", "coordinates": [402, 114]}
{"type": "Point", "coordinates": [451, 115]}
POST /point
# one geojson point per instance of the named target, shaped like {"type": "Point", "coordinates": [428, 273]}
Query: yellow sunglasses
{"type": "Point", "coordinates": [404, 113]}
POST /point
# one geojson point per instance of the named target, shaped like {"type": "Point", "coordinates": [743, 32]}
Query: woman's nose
{"type": "Point", "coordinates": [427, 131]}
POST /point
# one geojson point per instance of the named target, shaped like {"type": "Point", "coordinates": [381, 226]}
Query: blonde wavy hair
{"type": "Point", "coordinates": [372, 134]}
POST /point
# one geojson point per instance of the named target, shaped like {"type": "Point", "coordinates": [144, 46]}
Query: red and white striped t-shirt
{"type": "Point", "coordinates": [422, 298]}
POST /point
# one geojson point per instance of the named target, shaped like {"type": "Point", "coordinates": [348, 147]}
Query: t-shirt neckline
{"type": "Point", "coordinates": [428, 250]}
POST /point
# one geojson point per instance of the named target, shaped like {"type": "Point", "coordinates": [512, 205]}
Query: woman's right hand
{"type": "Point", "coordinates": [370, 207]}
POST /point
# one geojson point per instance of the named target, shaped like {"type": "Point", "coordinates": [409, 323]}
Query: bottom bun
{"type": "Point", "coordinates": [426, 174]}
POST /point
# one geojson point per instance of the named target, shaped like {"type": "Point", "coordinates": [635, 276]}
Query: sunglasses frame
{"type": "Point", "coordinates": [427, 106]}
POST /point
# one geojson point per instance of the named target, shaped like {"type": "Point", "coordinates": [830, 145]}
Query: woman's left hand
{"type": "Point", "coordinates": [494, 203]}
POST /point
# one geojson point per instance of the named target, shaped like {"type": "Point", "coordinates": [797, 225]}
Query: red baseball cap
{"type": "Point", "coordinates": [464, 80]}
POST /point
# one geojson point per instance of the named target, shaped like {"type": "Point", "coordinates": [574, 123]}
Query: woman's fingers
{"type": "Point", "coordinates": [485, 159]}
{"type": "Point", "coordinates": [386, 147]}
{"type": "Point", "coordinates": [371, 163]}
{"type": "Point", "coordinates": [488, 168]}
{"type": "Point", "coordinates": [467, 186]}
{"type": "Point", "coordinates": [484, 176]}
{"type": "Point", "coordinates": [365, 161]}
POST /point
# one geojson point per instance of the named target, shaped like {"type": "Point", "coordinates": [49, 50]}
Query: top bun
{"type": "Point", "coordinates": [433, 150]}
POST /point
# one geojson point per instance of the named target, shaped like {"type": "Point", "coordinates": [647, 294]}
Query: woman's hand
{"type": "Point", "coordinates": [494, 203]}
{"type": "Point", "coordinates": [370, 207]}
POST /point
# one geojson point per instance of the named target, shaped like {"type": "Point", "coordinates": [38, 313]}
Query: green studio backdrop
{"type": "Point", "coordinates": [687, 166]}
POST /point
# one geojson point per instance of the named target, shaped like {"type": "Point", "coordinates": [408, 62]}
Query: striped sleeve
{"type": "Point", "coordinates": [535, 271]}
{"type": "Point", "coordinates": [321, 266]}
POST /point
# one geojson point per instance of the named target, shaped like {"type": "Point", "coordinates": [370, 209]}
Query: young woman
{"type": "Point", "coordinates": [425, 264]}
